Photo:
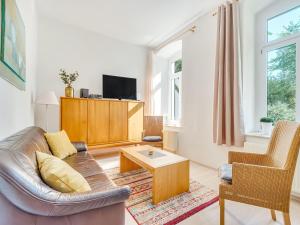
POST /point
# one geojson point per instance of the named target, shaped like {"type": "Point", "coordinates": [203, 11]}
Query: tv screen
{"type": "Point", "coordinates": [119, 87]}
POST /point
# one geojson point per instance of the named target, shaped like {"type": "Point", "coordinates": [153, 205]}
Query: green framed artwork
{"type": "Point", "coordinates": [12, 45]}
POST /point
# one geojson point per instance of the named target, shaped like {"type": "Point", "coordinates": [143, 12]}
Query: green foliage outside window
{"type": "Point", "coordinates": [178, 66]}
{"type": "Point", "coordinates": [282, 79]}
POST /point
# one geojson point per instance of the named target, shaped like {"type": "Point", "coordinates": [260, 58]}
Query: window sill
{"type": "Point", "coordinates": [256, 142]}
{"type": "Point", "coordinates": [257, 135]}
{"type": "Point", "coordinates": [172, 127]}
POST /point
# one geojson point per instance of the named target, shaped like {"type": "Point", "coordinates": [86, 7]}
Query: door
{"type": "Point", "coordinates": [74, 118]}
{"type": "Point", "coordinates": [118, 121]}
{"type": "Point", "coordinates": [98, 120]}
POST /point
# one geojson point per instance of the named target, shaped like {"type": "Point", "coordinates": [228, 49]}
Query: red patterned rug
{"type": "Point", "coordinates": [169, 212]}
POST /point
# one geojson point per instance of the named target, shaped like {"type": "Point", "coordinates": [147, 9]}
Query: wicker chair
{"type": "Point", "coordinates": [265, 180]}
{"type": "Point", "coordinates": [153, 126]}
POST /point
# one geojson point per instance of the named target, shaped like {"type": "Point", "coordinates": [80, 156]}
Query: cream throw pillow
{"type": "Point", "coordinates": [59, 175]}
{"type": "Point", "coordinates": [60, 144]}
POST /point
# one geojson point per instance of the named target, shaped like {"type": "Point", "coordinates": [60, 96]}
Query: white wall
{"type": "Point", "coordinates": [91, 54]}
{"type": "Point", "coordinates": [198, 53]}
{"type": "Point", "coordinates": [16, 107]}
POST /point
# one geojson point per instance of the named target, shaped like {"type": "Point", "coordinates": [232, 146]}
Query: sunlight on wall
{"type": "Point", "coordinates": [156, 90]}
{"type": "Point", "coordinates": [160, 80]}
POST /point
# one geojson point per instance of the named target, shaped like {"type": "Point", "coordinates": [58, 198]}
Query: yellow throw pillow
{"type": "Point", "coordinates": [60, 144]}
{"type": "Point", "coordinates": [59, 175]}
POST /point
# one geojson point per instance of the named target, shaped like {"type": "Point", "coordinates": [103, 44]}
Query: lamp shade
{"type": "Point", "coordinates": [48, 98]}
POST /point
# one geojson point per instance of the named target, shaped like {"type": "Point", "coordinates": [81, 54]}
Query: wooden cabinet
{"type": "Point", "coordinates": [118, 130]}
{"type": "Point", "coordinates": [98, 122]}
{"type": "Point", "coordinates": [74, 119]}
{"type": "Point", "coordinates": [102, 122]}
{"type": "Point", "coordinates": [135, 120]}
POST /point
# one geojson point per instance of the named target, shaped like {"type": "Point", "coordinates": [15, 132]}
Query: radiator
{"type": "Point", "coordinates": [170, 138]}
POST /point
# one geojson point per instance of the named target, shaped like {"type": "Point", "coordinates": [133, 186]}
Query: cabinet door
{"type": "Point", "coordinates": [118, 121]}
{"type": "Point", "coordinates": [135, 120]}
{"type": "Point", "coordinates": [74, 118]}
{"type": "Point", "coordinates": [98, 120]}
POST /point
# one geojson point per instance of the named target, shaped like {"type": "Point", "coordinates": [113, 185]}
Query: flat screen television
{"type": "Point", "coordinates": [119, 87]}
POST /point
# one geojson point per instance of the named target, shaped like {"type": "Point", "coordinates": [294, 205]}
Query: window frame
{"type": "Point", "coordinates": [171, 80]}
{"type": "Point", "coordinates": [263, 47]}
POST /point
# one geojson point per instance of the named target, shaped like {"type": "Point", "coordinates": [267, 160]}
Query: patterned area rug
{"type": "Point", "coordinates": [169, 212]}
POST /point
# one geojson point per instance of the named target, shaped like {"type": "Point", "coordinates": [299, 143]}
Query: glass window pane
{"type": "Point", "coordinates": [284, 24]}
{"type": "Point", "coordinates": [282, 83]}
{"type": "Point", "coordinates": [176, 98]}
{"type": "Point", "coordinates": [178, 66]}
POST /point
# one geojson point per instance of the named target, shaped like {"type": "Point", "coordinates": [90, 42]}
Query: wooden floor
{"type": "Point", "coordinates": [236, 214]}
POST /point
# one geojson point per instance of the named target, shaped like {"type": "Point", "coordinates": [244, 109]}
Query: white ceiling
{"type": "Point", "coordinates": [141, 22]}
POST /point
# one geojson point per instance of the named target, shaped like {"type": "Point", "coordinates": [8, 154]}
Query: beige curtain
{"type": "Point", "coordinates": [148, 85]}
{"type": "Point", "coordinates": [228, 117]}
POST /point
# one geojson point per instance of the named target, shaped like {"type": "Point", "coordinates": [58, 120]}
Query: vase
{"type": "Point", "coordinates": [266, 128]}
{"type": "Point", "coordinates": [69, 92]}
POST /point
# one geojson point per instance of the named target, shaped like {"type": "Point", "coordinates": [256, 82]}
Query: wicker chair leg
{"type": "Point", "coordinates": [287, 220]}
{"type": "Point", "coordinates": [222, 211]}
{"type": "Point", "coordinates": [273, 214]}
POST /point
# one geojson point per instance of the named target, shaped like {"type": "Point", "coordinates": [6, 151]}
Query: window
{"type": "Point", "coordinates": [175, 89]}
{"type": "Point", "coordinates": [281, 64]}
{"type": "Point", "coordinates": [284, 25]}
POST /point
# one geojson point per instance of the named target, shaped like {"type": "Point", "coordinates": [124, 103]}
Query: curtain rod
{"type": "Point", "coordinates": [216, 12]}
{"type": "Point", "coordinates": [174, 38]}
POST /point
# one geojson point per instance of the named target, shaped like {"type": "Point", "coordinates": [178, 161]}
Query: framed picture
{"type": "Point", "coordinates": [12, 44]}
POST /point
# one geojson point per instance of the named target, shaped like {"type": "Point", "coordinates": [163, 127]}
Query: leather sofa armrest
{"type": "Point", "coordinates": [80, 146]}
{"type": "Point", "coordinates": [69, 204]}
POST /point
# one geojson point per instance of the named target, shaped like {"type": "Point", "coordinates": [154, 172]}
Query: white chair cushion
{"type": "Point", "coordinates": [152, 138]}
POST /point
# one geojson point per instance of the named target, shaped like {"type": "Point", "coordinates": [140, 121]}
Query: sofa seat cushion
{"type": "Point", "coordinates": [84, 163]}
{"type": "Point", "coordinates": [100, 182]}
{"type": "Point", "coordinates": [59, 175]}
{"type": "Point", "coordinates": [152, 138]}
{"type": "Point", "coordinates": [88, 167]}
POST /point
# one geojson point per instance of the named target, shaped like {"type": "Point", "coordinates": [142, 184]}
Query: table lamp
{"type": "Point", "coordinates": [48, 98]}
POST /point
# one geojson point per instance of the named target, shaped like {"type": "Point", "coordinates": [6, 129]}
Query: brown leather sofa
{"type": "Point", "coordinates": [26, 200]}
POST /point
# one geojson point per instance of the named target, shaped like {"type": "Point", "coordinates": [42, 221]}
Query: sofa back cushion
{"type": "Point", "coordinates": [18, 159]}
{"type": "Point", "coordinates": [24, 144]}
{"type": "Point", "coordinates": [60, 144]}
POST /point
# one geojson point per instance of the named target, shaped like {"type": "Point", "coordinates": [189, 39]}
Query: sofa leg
{"type": "Point", "coordinates": [273, 214]}
{"type": "Point", "coordinates": [222, 211]}
{"type": "Point", "coordinates": [287, 220]}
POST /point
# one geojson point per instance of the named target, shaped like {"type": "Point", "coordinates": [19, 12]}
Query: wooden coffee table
{"type": "Point", "coordinates": [170, 172]}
